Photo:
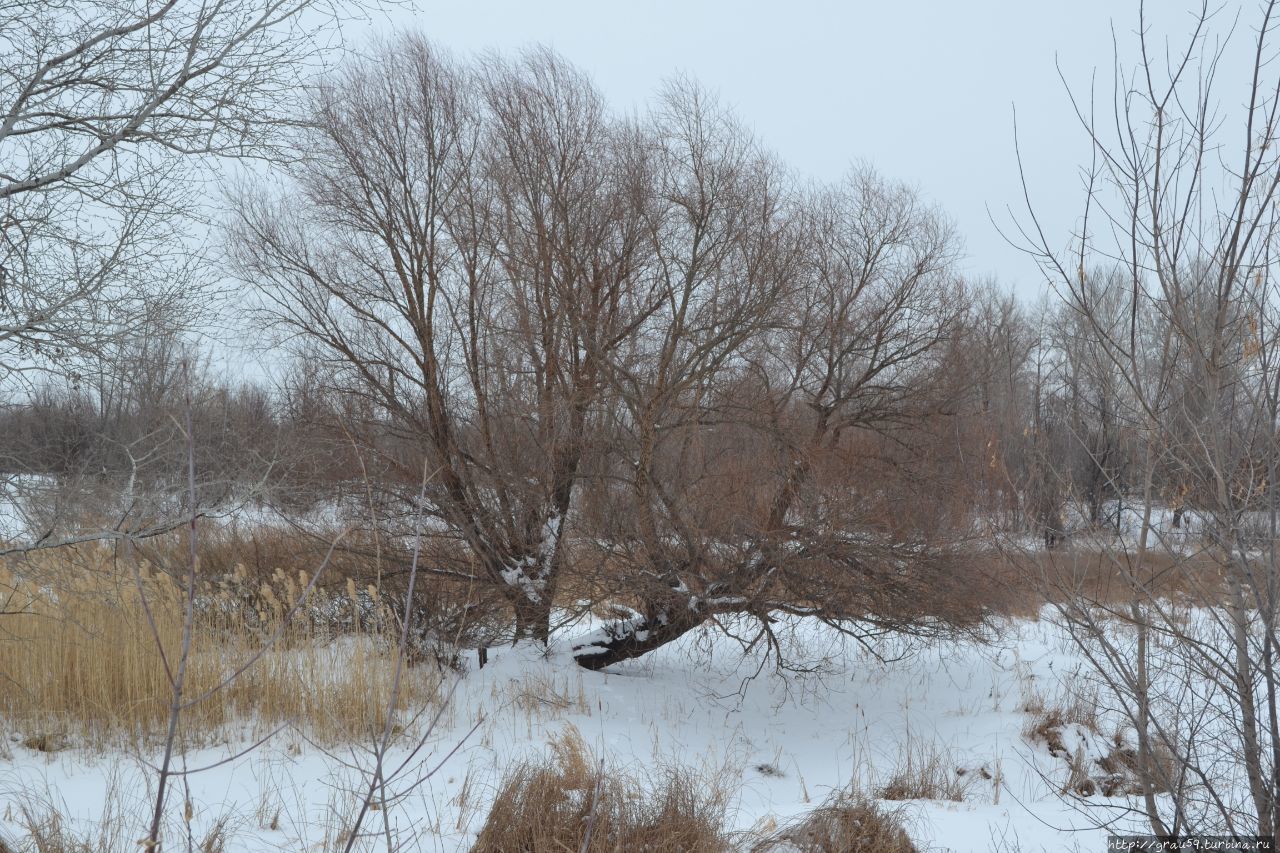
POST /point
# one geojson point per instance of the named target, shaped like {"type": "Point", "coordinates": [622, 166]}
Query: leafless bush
{"type": "Point", "coordinates": [1047, 719]}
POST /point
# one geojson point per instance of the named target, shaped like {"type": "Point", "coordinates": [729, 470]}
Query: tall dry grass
{"type": "Point", "coordinates": [84, 639]}
{"type": "Point", "coordinates": [926, 771]}
{"type": "Point", "coordinates": [43, 821]}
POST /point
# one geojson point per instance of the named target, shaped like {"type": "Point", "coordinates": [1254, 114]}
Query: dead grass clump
{"type": "Point", "coordinates": [216, 837]}
{"type": "Point", "coordinates": [260, 550]}
{"type": "Point", "coordinates": [46, 742]}
{"type": "Point", "coordinates": [544, 694]}
{"type": "Point", "coordinates": [1122, 769]}
{"type": "Point", "coordinates": [1046, 728]}
{"type": "Point", "coordinates": [574, 802]}
{"type": "Point", "coordinates": [44, 825]}
{"type": "Point", "coordinates": [846, 823]}
{"type": "Point", "coordinates": [1121, 772]}
{"type": "Point", "coordinates": [46, 833]}
{"type": "Point", "coordinates": [926, 772]}
{"type": "Point", "coordinates": [46, 828]}
{"type": "Point", "coordinates": [250, 557]}
{"type": "Point", "coordinates": [1079, 780]}
{"type": "Point", "coordinates": [1047, 721]}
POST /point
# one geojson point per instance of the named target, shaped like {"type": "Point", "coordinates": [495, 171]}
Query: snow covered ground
{"type": "Point", "coordinates": [783, 742]}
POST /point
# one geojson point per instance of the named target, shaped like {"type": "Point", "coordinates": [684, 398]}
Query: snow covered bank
{"type": "Point", "coordinates": [786, 742]}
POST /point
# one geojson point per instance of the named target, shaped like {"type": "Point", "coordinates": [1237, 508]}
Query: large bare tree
{"type": "Point", "coordinates": [461, 254]}
{"type": "Point", "coordinates": [823, 317]}
{"type": "Point", "coordinates": [554, 305]}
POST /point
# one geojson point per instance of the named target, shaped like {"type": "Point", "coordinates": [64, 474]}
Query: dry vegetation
{"type": "Point", "coordinates": [80, 661]}
{"type": "Point", "coordinates": [1046, 718]}
{"type": "Point", "coordinates": [618, 361]}
{"type": "Point", "coordinates": [573, 801]}
{"type": "Point", "coordinates": [82, 664]}
{"type": "Point", "coordinates": [1058, 724]}
{"type": "Point", "coordinates": [926, 771]}
{"type": "Point", "coordinates": [846, 823]}
{"type": "Point", "coordinates": [1018, 583]}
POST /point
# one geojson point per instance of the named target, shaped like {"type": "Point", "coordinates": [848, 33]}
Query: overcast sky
{"type": "Point", "coordinates": [923, 91]}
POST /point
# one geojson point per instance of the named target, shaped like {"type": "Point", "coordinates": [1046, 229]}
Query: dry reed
{"type": "Point", "coordinates": [84, 639]}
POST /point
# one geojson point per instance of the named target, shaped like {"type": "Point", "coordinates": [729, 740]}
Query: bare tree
{"type": "Point", "coordinates": [806, 320]}
{"type": "Point", "coordinates": [1181, 198]}
{"type": "Point", "coordinates": [462, 261]}
{"type": "Point", "coordinates": [547, 302]}
{"type": "Point", "coordinates": [724, 249]}
{"type": "Point", "coordinates": [106, 109]}
{"type": "Point", "coordinates": [115, 116]}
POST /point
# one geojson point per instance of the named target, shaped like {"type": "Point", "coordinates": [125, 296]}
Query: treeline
{"type": "Point", "coordinates": [1021, 424]}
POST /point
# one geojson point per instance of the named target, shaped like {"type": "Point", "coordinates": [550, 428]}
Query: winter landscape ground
{"type": "Point", "coordinates": [1005, 741]}
{"type": "Point", "coordinates": [954, 717]}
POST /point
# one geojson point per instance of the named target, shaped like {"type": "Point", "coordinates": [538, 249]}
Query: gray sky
{"type": "Point", "coordinates": [923, 91]}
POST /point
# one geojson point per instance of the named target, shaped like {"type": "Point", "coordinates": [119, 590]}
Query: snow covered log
{"type": "Point", "coordinates": [630, 638]}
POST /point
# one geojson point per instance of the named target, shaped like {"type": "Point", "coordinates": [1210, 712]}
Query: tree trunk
{"type": "Point", "coordinates": [530, 580]}
{"type": "Point", "coordinates": [533, 620]}
{"type": "Point", "coordinates": [631, 638]}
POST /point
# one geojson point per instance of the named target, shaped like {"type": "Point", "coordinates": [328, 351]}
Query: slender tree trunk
{"type": "Point", "coordinates": [1142, 678]}
{"type": "Point", "coordinates": [1243, 675]}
